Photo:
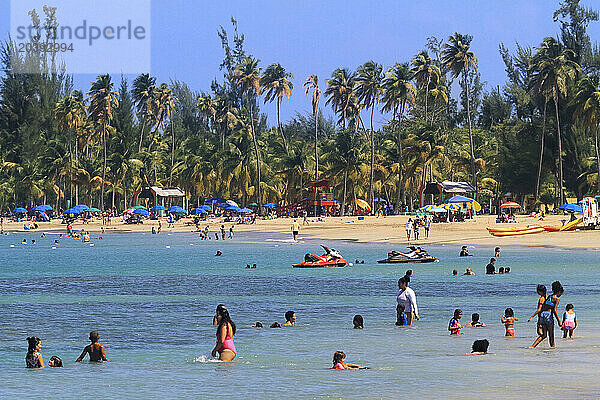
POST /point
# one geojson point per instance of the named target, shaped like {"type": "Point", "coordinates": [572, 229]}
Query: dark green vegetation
{"type": "Point", "coordinates": [535, 136]}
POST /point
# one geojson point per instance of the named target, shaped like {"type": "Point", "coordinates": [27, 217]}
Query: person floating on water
{"type": "Point", "coordinates": [225, 332]}
{"type": "Point", "coordinates": [464, 252]}
{"type": "Point", "coordinates": [290, 318]}
{"type": "Point", "coordinates": [475, 323]}
{"type": "Point", "coordinates": [508, 319]}
{"type": "Point", "coordinates": [95, 349]}
{"type": "Point", "coordinates": [339, 362]}
{"type": "Point", "coordinates": [454, 325]}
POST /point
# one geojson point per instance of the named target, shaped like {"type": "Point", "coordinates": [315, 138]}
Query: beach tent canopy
{"type": "Point", "coordinates": [19, 210]}
{"type": "Point", "coordinates": [362, 204]}
{"type": "Point", "coordinates": [42, 207]}
{"type": "Point", "coordinates": [140, 211]}
{"type": "Point", "coordinates": [93, 210]}
{"type": "Point", "coordinates": [158, 208]}
{"type": "Point", "coordinates": [572, 208]}
{"type": "Point", "coordinates": [215, 200]}
{"type": "Point", "coordinates": [510, 204]}
{"type": "Point", "coordinates": [458, 199]}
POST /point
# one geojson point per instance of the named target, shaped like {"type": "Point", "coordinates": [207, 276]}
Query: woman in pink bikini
{"type": "Point", "coordinates": [225, 332]}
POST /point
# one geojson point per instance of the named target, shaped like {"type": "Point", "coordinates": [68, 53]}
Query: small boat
{"type": "Point", "coordinates": [512, 229]}
{"type": "Point", "coordinates": [526, 231]}
{"type": "Point", "coordinates": [416, 255]}
{"type": "Point", "coordinates": [331, 258]}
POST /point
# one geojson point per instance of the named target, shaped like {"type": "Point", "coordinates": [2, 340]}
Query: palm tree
{"type": "Point", "coordinates": [553, 66]}
{"type": "Point", "coordinates": [247, 78]}
{"type": "Point", "coordinates": [165, 102]}
{"type": "Point", "coordinates": [587, 110]}
{"type": "Point", "coordinates": [398, 91]}
{"type": "Point", "coordinates": [425, 71]}
{"type": "Point", "coordinates": [275, 84]}
{"type": "Point", "coordinates": [70, 114]}
{"type": "Point", "coordinates": [340, 89]}
{"type": "Point", "coordinates": [312, 82]}
{"type": "Point", "coordinates": [143, 91]}
{"type": "Point", "coordinates": [103, 101]}
{"type": "Point", "coordinates": [459, 59]}
{"type": "Point", "coordinates": [368, 88]}
{"type": "Point", "coordinates": [207, 107]}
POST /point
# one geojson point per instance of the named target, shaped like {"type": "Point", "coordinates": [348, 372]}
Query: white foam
{"type": "Point", "coordinates": [205, 359]}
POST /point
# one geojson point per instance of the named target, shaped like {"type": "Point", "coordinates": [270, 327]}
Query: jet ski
{"type": "Point", "coordinates": [331, 258]}
{"type": "Point", "coordinates": [416, 255]}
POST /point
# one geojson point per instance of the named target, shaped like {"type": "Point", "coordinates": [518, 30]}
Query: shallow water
{"type": "Point", "coordinates": [153, 307]}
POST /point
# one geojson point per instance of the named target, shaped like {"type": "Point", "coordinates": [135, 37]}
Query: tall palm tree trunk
{"type": "Point", "coordinates": [257, 154]}
{"type": "Point", "coordinates": [172, 154]}
{"type": "Point", "coordinates": [344, 194]}
{"type": "Point", "coordinates": [103, 167]}
{"type": "Point", "coordinates": [76, 168]}
{"type": "Point", "coordinates": [560, 166]}
{"type": "Point", "coordinates": [371, 172]}
{"type": "Point", "coordinates": [280, 128]}
{"type": "Point", "coordinates": [400, 160]}
{"type": "Point", "coordinates": [539, 176]}
{"type": "Point", "coordinates": [473, 169]}
{"type": "Point", "coordinates": [316, 114]}
{"type": "Point", "coordinates": [427, 95]}
{"type": "Point", "coordinates": [142, 134]}
{"type": "Point", "coordinates": [597, 161]}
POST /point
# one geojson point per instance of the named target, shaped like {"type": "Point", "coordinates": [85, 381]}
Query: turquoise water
{"type": "Point", "coordinates": [153, 307]}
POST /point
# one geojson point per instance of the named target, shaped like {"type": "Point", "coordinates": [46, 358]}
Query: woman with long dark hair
{"type": "Point", "coordinates": [33, 359]}
{"type": "Point", "coordinates": [407, 301]}
{"type": "Point", "coordinates": [225, 332]}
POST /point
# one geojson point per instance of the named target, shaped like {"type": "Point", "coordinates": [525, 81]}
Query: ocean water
{"type": "Point", "coordinates": [152, 298]}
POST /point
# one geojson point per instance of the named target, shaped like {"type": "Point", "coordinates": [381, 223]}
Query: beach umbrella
{"type": "Point", "coordinates": [253, 204]}
{"type": "Point", "coordinates": [246, 210]}
{"type": "Point", "coordinates": [362, 204]}
{"type": "Point", "coordinates": [199, 210]}
{"type": "Point", "coordinates": [427, 208]}
{"type": "Point", "coordinates": [510, 204]}
{"type": "Point", "coordinates": [206, 207]}
{"type": "Point", "coordinates": [73, 211]}
{"type": "Point", "coordinates": [42, 208]}
{"type": "Point", "coordinates": [176, 210]}
{"type": "Point", "coordinates": [158, 208]}
{"type": "Point", "coordinates": [129, 211]}
{"type": "Point", "coordinates": [233, 208]}
{"type": "Point", "coordinates": [451, 206]}
{"type": "Point", "coordinates": [572, 208]}
{"type": "Point", "coordinates": [437, 210]}
{"type": "Point", "coordinates": [19, 210]}
{"type": "Point", "coordinates": [81, 206]}
{"type": "Point", "coordinates": [458, 199]}
{"type": "Point", "coordinates": [223, 205]}
{"type": "Point", "coordinates": [232, 203]}
{"type": "Point", "coordinates": [379, 200]}
{"type": "Point", "coordinates": [216, 200]}
{"type": "Point", "coordinates": [270, 205]}
{"type": "Point", "coordinates": [138, 207]}
{"type": "Point", "coordinates": [474, 205]}
{"type": "Point", "coordinates": [93, 210]}
{"type": "Point", "coordinates": [140, 211]}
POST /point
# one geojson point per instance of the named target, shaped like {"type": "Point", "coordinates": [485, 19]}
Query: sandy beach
{"type": "Point", "coordinates": [371, 229]}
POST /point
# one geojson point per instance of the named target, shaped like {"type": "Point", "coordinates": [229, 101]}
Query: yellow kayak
{"type": "Point", "coordinates": [571, 224]}
{"type": "Point", "coordinates": [521, 232]}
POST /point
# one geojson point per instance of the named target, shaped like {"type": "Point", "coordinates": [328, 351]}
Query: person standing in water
{"type": "Point", "coordinates": [547, 312]}
{"type": "Point", "coordinates": [295, 230]}
{"type": "Point", "coordinates": [95, 349]}
{"type": "Point", "coordinates": [225, 331]}
{"type": "Point", "coordinates": [33, 359]}
{"type": "Point", "coordinates": [406, 297]}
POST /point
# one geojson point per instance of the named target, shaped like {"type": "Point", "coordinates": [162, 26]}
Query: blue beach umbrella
{"type": "Point", "coordinates": [427, 208]}
{"type": "Point", "coordinates": [215, 200]}
{"type": "Point", "coordinates": [572, 208]}
{"type": "Point", "coordinates": [458, 199]}
{"type": "Point", "coordinates": [199, 210]}
{"type": "Point", "coordinates": [81, 207]}
{"type": "Point", "coordinates": [205, 207]}
{"type": "Point", "coordinates": [176, 210]}
{"type": "Point", "coordinates": [245, 210]}
{"type": "Point", "coordinates": [140, 211]}
{"type": "Point", "coordinates": [19, 210]}
{"type": "Point", "coordinates": [72, 211]}
{"type": "Point", "coordinates": [42, 208]}
{"type": "Point", "coordinates": [233, 208]}
{"type": "Point", "coordinates": [270, 205]}
{"type": "Point", "coordinates": [158, 208]}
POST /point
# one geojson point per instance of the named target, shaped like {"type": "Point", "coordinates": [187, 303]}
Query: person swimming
{"type": "Point", "coordinates": [290, 318]}
{"type": "Point", "coordinates": [454, 325]}
{"type": "Point", "coordinates": [469, 272]}
{"type": "Point", "coordinates": [479, 347]}
{"type": "Point", "coordinates": [508, 319]}
{"type": "Point", "coordinates": [95, 349]}
{"type": "Point", "coordinates": [464, 252]}
{"type": "Point", "coordinates": [55, 361]}
{"type": "Point", "coordinates": [358, 322]}
{"type": "Point", "coordinates": [257, 324]}
{"type": "Point", "coordinates": [339, 362]}
{"type": "Point", "coordinates": [218, 253]}
{"type": "Point", "coordinates": [275, 325]}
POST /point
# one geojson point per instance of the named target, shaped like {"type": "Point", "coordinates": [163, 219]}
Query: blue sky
{"type": "Point", "coordinates": [312, 36]}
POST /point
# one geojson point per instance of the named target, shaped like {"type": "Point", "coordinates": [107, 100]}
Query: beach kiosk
{"type": "Point", "coordinates": [164, 196]}
{"type": "Point", "coordinates": [590, 211]}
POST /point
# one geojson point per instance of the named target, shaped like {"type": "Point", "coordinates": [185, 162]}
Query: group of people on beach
{"type": "Point", "coordinates": [413, 227]}
{"type": "Point", "coordinates": [34, 358]}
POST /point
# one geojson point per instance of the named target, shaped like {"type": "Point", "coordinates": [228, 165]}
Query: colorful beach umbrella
{"type": "Point", "coordinates": [437, 210]}
{"type": "Point", "coordinates": [458, 199]}
{"type": "Point", "coordinates": [176, 210]}
{"type": "Point", "coordinates": [427, 208]}
{"type": "Point", "coordinates": [72, 211]}
{"type": "Point", "coordinates": [140, 211]}
{"type": "Point", "coordinates": [510, 204]}
{"type": "Point", "coordinates": [572, 208]}
{"type": "Point", "coordinates": [233, 208]}
{"type": "Point", "coordinates": [362, 204]}
{"type": "Point", "coordinates": [19, 210]}
{"type": "Point", "coordinates": [158, 208]}
{"type": "Point", "coordinates": [451, 206]}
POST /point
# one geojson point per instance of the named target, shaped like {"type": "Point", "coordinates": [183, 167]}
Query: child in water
{"type": "Point", "coordinates": [480, 347]}
{"type": "Point", "coordinates": [508, 319]}
{"type": "Point", "coordinates": [475, 323]}
{"type": "Point", "coordinates": [400, 315]}
{"type": "Point", "coordinates": [569, 321]}
{"type": "Point", "coordinates": [358, 321]}
{"type": "Point", "coordinates": [454, 325]}
{"type": "Point", "coordinates": [339, 358]}
{"type": "Point", "coordinates": [95, 349]}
